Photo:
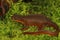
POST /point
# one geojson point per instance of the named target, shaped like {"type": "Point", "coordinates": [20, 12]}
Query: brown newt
{"type": "Point", "coordinates": [38, 20]}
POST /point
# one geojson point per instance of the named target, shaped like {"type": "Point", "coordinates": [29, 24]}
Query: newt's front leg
{"type": "Point", "coordinates": [25, 27]}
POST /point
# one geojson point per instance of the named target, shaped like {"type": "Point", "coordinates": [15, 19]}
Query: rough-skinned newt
{"type": "Point", "coordinates": [38, 20]}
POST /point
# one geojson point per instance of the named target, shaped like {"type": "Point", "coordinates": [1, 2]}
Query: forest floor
{"type": "Point", "coordinates": [10, 30]}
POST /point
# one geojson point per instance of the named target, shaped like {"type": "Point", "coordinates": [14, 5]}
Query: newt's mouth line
{"type": "Point", "coordinates": [19, 21]}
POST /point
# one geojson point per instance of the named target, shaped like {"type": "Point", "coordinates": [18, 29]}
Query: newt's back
{"type": "Point", "coordinates": [36, 18]}
{"type": "Point", "coordinates": [39, 18]}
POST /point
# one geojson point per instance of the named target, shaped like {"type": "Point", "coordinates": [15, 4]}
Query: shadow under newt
{"type": "Point", "coordinates": [38, 20]}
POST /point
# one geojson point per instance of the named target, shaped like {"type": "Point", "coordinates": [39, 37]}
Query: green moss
{"type": "Point", "coordinates": [10, 30]}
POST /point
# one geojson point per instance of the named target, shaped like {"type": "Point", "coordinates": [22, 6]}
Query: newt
{"type": "Point", "coordinates": [38, 20]}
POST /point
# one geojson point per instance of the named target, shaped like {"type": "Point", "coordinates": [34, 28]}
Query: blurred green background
{"type": "Point", "coordinates": [10, 30]}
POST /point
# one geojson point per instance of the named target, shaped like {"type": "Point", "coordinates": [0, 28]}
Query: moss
{"type": "Point", "coordinates": [50, 8]}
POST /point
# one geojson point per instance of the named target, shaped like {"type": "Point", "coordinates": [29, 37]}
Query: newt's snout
{"type": "Point", "coordinates": [16, 17]}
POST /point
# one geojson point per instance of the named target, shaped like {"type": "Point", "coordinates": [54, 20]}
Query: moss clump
{"type": "Point", "coordinates": [50, 8]}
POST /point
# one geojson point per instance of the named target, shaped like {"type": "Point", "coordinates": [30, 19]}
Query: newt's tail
{"type": "Point", "coordinates": [42, 32]}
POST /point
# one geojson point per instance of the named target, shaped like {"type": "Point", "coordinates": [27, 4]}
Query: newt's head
{"type": "Point", "coordinates": [18, 18]}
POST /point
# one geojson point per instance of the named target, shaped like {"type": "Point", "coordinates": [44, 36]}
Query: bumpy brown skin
{"type": "Point", "coordinates": [38, 20]}
{"type": "Point", "coordinates": [4, 7]}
